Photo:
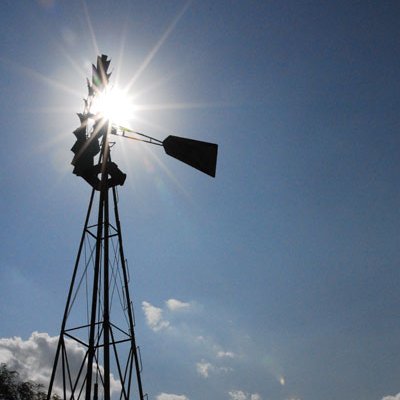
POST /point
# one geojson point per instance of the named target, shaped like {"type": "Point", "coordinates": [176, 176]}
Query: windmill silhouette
{"type": "Point", "coordinates": [97, 355]}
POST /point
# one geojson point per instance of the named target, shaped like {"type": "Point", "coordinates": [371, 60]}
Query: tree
{"type": "Point", "coordinates": [13, 388]}
{"type": "Point", "coordinates": [8, 383]}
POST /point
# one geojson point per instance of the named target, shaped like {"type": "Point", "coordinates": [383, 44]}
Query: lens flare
{"type": "Point", "coordinates": [114, 105]}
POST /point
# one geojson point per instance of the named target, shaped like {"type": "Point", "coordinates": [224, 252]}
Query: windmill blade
{"type": "Point", "coordinates": [197, 154]}
{"type": "Point", "coordinates": [100, 75]}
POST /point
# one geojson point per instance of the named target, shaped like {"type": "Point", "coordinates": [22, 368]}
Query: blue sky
{"type": "Point", "coordinates": [284, 268]}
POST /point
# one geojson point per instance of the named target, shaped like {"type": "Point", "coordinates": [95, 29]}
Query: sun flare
{"type": "Point", "coordinates": [114, 105]}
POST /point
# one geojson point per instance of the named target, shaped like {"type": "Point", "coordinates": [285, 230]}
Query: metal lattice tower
{"type": "Point", "coordinates": [97, 346]}
{"type": "Point", "coordinates": [97, 356]}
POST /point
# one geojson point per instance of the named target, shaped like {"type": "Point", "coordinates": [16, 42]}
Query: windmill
{"type": "Point", "coordinates": [97, 356]}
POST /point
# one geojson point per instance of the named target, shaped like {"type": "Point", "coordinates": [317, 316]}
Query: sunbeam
{"type": "Point", "coordinates": [157, 47]}
{"type": "Point", "coordinates": [40, 77]}
{"type": "Point", "coordinates": [179, 106]}
{"type": "Point", "coordinates": [90, 26]}
{"type": "Point", "coordinates": [121, 51]}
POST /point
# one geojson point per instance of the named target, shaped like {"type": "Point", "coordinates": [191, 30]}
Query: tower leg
{"type": "Point", "coordinates": [60, 344]}
{"type": "Point", "coordinates": [97, 355]}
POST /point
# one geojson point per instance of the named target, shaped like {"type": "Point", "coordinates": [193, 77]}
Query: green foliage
{"type": "Point", "coordinates": [13, 388]}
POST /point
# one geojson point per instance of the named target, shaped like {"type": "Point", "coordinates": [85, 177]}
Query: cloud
{"type": "Point", "coordinates": [154, 317]}
{"type": "Point", "coordinates": [240, 395]}
{"type": "Point", "coordinates": [175, 305]}
{"type": "Point", "coordinates": [204, 369]}
{"type": "Point", "coordinates": [166, 396]}
{"type": "Point", "coordinates": [396, 397]}
{"type": "Point", "coordinates": [227, 354]}
{"type": "Point", "coordinates": [237, 395]}
{"type": "Point", "coordinates": [33, 358]}
{"type": "Point", "coordinates": [159, 319]}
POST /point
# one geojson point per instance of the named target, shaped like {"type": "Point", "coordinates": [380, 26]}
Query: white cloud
{"type": "Point", "coordinates": [167, 319]}
{"type": "Point", "coordinates": [154, 317]}
{"type": "Point", "coordinates": [227, 354]}
{"type": "Point", "coordinates": [237, 395]}
{"type": "Point", "coordinates": [395, 397]}
{"type": "Point", "coordinates": [240, 395]}
{"type": "Point", "coordinates": [175, 305]}
{"type": "Point", "coordinates": [205, 368]}
{"type": "Point", "coordinates": [166, 396]}
{"type": "Point", "coordinates": [33, 358]}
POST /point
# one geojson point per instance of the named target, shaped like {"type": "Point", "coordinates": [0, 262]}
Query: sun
{"type": "Point", "coordinates": [114, 105]}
